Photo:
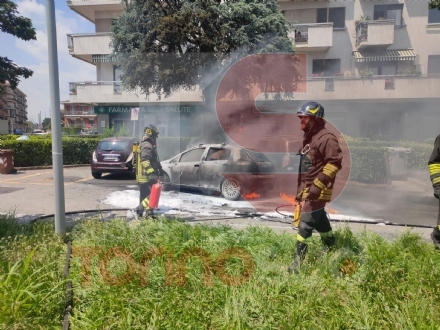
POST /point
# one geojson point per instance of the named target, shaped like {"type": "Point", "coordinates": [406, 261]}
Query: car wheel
{"type": "Point", "coordinates": [96, 175]}
{"type": "Point", "coordinates": [231, 189]}
{"type": "Point", "coordinates": [165, 180]}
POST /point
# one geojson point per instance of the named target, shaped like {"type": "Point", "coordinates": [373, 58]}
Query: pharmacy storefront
{"type": "Point", "coordinates": [171, 120]}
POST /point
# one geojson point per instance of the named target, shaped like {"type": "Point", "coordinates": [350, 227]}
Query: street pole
{"type": "Point", "coordinates": [57, 149]}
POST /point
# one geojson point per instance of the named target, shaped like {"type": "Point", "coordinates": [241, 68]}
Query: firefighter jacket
{"type": "Point", "coordinates": [147, 161]}
{"type": "Point", "coordinates": [434, 163]}
{"type": "Point", "coordinates": [321, 159]}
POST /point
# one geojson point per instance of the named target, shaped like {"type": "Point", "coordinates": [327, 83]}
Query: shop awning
{"type": "Point", "coordinates": [388, 55]}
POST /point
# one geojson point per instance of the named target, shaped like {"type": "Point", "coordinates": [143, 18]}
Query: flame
{"type": "Point", "coordinates": [289, 198]}
{"type": "Point", "coordinates": [292, 200]}
{"type": "Point", "coordinates": [251, 195]}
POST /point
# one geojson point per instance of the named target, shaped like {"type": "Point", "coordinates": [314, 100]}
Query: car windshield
{"type": "Point", "coordinates": [113, 145]}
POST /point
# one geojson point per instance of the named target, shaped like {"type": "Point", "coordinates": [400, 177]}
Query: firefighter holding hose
{"type": "Point", "coordinates": [434, 173]}
{"type": "Point", "coordinates": [148, 168]}
{"type": "Point", "coordinates": [321, 159]}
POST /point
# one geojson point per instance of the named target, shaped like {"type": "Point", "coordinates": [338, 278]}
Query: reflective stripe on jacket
{"type": "Point", "coordinates": [434, 163]}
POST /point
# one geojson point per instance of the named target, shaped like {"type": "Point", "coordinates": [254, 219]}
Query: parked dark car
{"type": "Point", "coordinates": [228, 169]}
{"type": "Point", "coordinates": [113, 155]}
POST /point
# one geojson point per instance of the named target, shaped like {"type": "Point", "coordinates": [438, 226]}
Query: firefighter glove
{"type": "Point", "coordinates": [436, 190]}
{"type": "Point", "coordinates": [314, 193]}
{"type": "Point", "coordinates": [153, 178]}
{"type": "Point", "coordinates": [161, 172]}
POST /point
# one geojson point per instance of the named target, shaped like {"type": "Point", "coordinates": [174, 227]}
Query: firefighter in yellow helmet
{"type": "Point", "coordinates": [321, 159]}
{"type": "Point", "coordinates": [434, 173]}
{"type": "Point", "coordinates": [148, 168]}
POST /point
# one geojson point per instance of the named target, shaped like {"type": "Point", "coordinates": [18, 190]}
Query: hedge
{"type": "Point", "coordinates": [76, 150]}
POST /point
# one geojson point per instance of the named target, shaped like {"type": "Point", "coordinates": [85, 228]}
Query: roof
{"type": "Point", "coordinates": [387, 55]}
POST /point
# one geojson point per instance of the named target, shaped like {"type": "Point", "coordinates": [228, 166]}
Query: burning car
{"type": "Point", "coordinates": [231, 170]}
{"type": "Point", "coordinates": [113, 155]}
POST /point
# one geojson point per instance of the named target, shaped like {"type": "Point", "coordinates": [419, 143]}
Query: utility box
{"type": "Point", "coordinates": [398, 161]}
{"type": "Point", "coordinates": [4, 126]}
{"type": "Point", "coordinates": [6, 161]}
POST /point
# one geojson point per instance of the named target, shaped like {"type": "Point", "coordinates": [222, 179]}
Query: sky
{"type": "Point", "coordinates": [34, 54]}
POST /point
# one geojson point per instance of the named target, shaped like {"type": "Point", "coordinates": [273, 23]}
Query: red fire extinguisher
{"type": "Point", "coordinates": [156, 189]}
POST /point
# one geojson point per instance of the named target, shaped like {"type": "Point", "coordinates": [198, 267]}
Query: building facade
{"type": "Point", "coordinates": [80, 115]}
{"type": "Point", "coordinates": [13, 108]}
{"type": "Point", "coordinates": [375, 65]}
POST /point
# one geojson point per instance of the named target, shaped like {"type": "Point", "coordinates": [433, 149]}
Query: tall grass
{"type": "Point", "coordinates": [31, 284]}
{"type": "Point", "coordinates": [366, 283]}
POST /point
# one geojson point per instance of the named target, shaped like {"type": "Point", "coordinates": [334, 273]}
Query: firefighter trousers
{"type": "Point", "coordinates": [144, 195]}
{"type": "Point", "coordinates": [313, 216]}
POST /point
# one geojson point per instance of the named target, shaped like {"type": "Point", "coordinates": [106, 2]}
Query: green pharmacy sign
{"type": "Point", "coordinates": [115, 109]}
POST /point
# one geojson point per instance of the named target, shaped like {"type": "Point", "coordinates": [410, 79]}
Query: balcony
{"type": "Point", "coordinates": [69, 114]}
{"type": "Point", "coordinates": [371, 88]}
{"type": "Point", "coordinates": [87, 8]}
{"type": "Point", "coordinates": [374, 34]}
{"type": "Point", "coordinates": [312, 37]}
{"type": "Point", "coordinates": [83, 46]}
{"type": "Point", "coordinates": [111, 92]}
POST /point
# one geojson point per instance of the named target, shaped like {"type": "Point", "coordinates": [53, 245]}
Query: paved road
{"type": "Point", "coordinates": [31, 192]}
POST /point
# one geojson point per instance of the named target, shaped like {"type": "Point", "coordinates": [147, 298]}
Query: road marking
{"type": "Point", "coordinates": [85, 179]}
{"type": "Point", "coordinates": [23, 177]}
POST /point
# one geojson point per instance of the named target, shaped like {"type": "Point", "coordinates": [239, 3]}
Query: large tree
{"type": "Point", "coordinates": [21, 27]}
{"type": "Point", "coordinates": [166, 45]}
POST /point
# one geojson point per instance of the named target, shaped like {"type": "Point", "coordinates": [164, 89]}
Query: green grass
{"type": "Point", "coordinates": [368, 282]}
{"type": "Point", "coordinates": [386, 285]}
{"type": "Point", "coordinates": [32, 291]}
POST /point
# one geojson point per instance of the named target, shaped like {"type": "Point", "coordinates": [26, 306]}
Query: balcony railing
{"type": "Point", "coordinates": [79, 113]}
{"type": "Point", "coordinates": [73, 86]}
{"type": "Point", "coordinates": [375, 33]}
{"type": "Point", "coordinates": [370, 87]}
{"type": "Point", "coordinates": [83, 44]}
{"type": "Point", "coordinates": [316, 36]}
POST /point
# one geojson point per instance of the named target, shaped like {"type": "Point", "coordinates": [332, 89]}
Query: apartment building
{"type": "Point", "coordinates": [375, 65]}
{"type": "Point", "coordinates": [79, 115]}
{"type": "Point", "coordinates": [13, 107]}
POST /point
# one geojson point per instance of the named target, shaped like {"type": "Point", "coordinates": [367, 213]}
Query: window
{"type": "Point", "coordinates": [335, 15]}
{"type": "Point", "coordinates": [113, 145]}
{"type": "Point", "coordinates": [194, 155]}
{"type": "Point", "coordinates": [434, 16]}
{"type": "Point", "coordinates": [218, 154]}
{"type": "Point", "coordinates": [327, 66]}
{"type": "Point", "coordinates": [389, 12]}
{"type": "Point", "coordinates": [433, 64]}
{"type": "Point", "coordinates": [383, 69]}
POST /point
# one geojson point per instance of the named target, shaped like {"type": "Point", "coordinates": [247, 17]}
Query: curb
{"type": "Point", "coordinates": [48, 167]}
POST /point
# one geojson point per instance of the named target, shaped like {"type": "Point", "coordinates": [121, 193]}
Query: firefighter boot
{"type": "Point", "coordinates": [329, 242]}
{"type": "Point", "coordinates": [139, 211]}
{"type": "Point", "coordinates": [301, 251]}
{"type": "Point", "coordinates": [435, 235]}
{"type": "Point", "coordinates": [149, 214]}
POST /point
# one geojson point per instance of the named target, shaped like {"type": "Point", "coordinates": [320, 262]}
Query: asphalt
{"type": "Point", "coordinates": [36, 200]}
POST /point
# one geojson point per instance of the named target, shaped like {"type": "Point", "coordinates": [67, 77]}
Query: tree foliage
{"type": "Point", "coordinates": [166, 45]}
{"type": "Point", "coordinates": [20, 27]}
{"type": "Point", "coordinates": [434, 4]}
{"type": "Point", "coordinates": [46, 124]}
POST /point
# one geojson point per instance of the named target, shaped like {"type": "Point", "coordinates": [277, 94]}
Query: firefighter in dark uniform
{"type": "Point", "coordinates": [148, 168]}
{"type": "Point", "coordinates": [434, 173]}
{"type": "Point", "coordinates": [321, 159]}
